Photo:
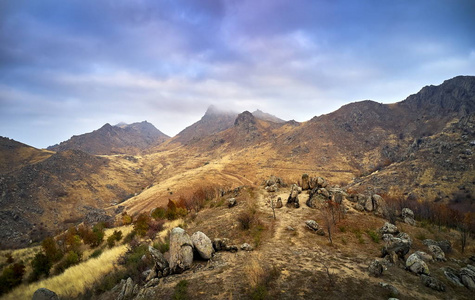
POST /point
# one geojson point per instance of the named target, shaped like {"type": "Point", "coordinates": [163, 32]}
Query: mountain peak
{"type": "Point", "coordinates": [266, 117]}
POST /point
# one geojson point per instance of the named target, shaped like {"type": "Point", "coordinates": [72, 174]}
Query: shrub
{"type": "Point", "coordinates": [142, 224]}
{"type": "Point", "coordinates": [11, 277]}
{"type": "Point", "coordinates": [181, 290]}
{"type": "Point", "coordinates": [373, 235]}
{"type": "Point", "coordinates": [41, 265]}
{"type": "Point", "coordinates": [245, 219]}
{"type": "Point", "coordinates": [96, 253]}
{"type": "Point", "coordinates": [111, 241]}
{"type": "Point", "coordinates": [51, 249]}
{"type": "Point", "coordinates": [70, 259]}
{"type": "Point", "coordinates": [126, 219]}
{"type": "Point", "coordinates": [159, 213]}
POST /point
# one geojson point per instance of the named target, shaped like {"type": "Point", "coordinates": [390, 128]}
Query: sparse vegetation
{"type": "Point", "coordinates": [181, 290]}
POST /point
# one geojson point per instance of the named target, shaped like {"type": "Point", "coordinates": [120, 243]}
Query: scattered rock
{"type": "Point", "coordinates": [312, 225]}
{"type": "Point", "coordinates": [375, 268]}
{"type": "Point", "coordinates": [467, 276]}
{"type": "Point", "coordinates": [232, 202]}
{"type": "Point", "coordinates": [389, 228]}
{"type": "Point", "coordinates": [272, 189]}
{"type": "Point", "coordinates": [437, 253]}
{"type": "Point", "coordinates": [290, 228]}
{"type": "Point", "coordinates": [408, 216]}
{"type": "Point", "coordinates": [279, 203]}
{"type": "Point", "coordinates": [416, 265]}
{"type": "Point", "coordinates": [181, 250]}
{"type": "Point", "coordinates": [202, 245]}
{"type": "Point", "coordinates": [223, 245]}
{"type": "Point", "coordinates": [391, 288]}
{"type": "Point", "coordinates": [44, 294]}
{"type": "Point", "coordinates": [405, 236]}
{"type": "Point", "coordinates": [246, 247]}
{"type": "Point", "coordinates": [445, 245]}
{"type": "Point", "coordinates": [293, 199]}
{"type": "Point", "coordinates": [433, 283]}
{"type": "Point", "coordinates": [321, 232]}
{"type": "Point", "coordinates": [396, 245]}
{"type": "Point", "coordinates": [452, 276]}
{"type": "Point", "coordinates": [127, 290]}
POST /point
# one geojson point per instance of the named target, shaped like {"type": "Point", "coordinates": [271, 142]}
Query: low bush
{"type": "Point", "coordinates": [181, 290]}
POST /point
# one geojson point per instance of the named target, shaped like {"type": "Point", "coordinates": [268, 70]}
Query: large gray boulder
{"type": "Point", "coordinates": [181, 250]}
{"type": "Point", "coordinates": [44, 294]}
{"type": "Point", "coordinates": [202, 244]}
{"type": "Point", "coordinates": [416, 265]}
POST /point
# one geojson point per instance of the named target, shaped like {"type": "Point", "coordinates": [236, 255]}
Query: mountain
{"type": "Point", "coordinates": [420, 148]}
{"type": "Point", "coordinates": [120, 139]}
{"type": "Point", "coordinates": [267, 117]}
{"type": "Point", "coordinates": [14, 155]}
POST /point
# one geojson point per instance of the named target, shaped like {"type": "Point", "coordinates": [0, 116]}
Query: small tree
{"type": "Point", "coordinates": [142, 224]}
{"type": "Point", "coordinates": [51, 249]}
{"type": "Point", "coordinates": [41, 265]}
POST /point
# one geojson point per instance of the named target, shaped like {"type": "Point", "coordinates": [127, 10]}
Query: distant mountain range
{"type": "Point", "coordinates": [121, 138]}
{"type": "Point", "coordinates": [420, 148]}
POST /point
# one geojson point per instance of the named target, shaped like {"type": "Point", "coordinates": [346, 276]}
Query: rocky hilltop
{"type": "Point", "coordinates": [122, 139]}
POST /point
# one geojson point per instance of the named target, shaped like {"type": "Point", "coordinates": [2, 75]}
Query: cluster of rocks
{"type": "Point", "coordinates": [293, 200]}
{"type": "Point", "coordinates": [273, 184]}
{"type": "Point", "coordinates": [370, 203]}
{"type": "Point", "coordinates": [397, 246]}
{"type": "Point", "coordinates": [183, 250]}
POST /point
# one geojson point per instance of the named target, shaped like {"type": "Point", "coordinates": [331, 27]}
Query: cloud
{"type": "Point", "coordinates": [67, 67]}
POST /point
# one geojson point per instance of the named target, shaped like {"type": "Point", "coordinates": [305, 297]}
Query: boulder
{"type": "Point", "coordinates": [359, 207]}
{"type": "Point", "coordinates": [369, 205]}
{"type": "Point", "coordinates": [391, 288]}
{"type": "Point", "coordinates": [408, 216]}
{"type": "Point", "coordinates": [395, 245]}
{"type": "Point", "coordinates": [279, 204]}
{"type": "Point", "coordinates": [44, 294]}
{"type": "Point", "coordinates": [127, 290]}
{"type": "Point", "coordinates": [375, 268]}
{"type": "Point", "coordinates": [433, 283]}
{"type": "Point", "coordinates": [272, 189]}
{"type": "Point", "coordinates": [416, 265]}
{"type": "Point", "coordinates": [293, 200]}
{"type": "Point", "coordinates": [246, 247]}
{"type": "Point", "coordinates": [181, 250]}
{"type": "Point", "coordinates": [452, 276]}
{"type": "Point", "coordinates": [202, 245]}
{"type": "Point", "coordinates": [161, 267]}
{"type": "Point", "coordinates": [424, 256]}
{"type": "Point", "coordinates": [405, 236]}
{"type": "Point", "coordinates": [467, 276]}
{"type": "Point", "coordinates": [389, 228]}
{"type": "Point", "coordinates": [232, 202]}
{"type": "Point", "coordinates": [437, 253]}
{"type": "Point", "coordinates": [379, 204]}
{"type": "Point", "coordinates": [445, 245]}
{"type": "Point", "coordinates": [312, 225]}
{"type": "Point", "coordinates": [324, 192]}
{"type": "Point", "coordinates": [305, 182]}
{"type": "Point", "coordinates": [223, 245]}
{"type": "Point", "coordinates": [316, 200]}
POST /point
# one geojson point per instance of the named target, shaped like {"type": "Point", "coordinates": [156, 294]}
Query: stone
{"type": "Point", "coordinates": [181, 250]}
{"type": "Point", "coordinates": [452, 276]}
{"type": "Point", "coordinates": [437, 253]}
{"type": "Point", "coordinates": [433, 283]}
{"type": "Point", "coordinates": [159, 260]}
{"type": "Point", "coordinates": [359, 207]}
{"type": "Point", "coordinates": [44, 294]}
{"type": "Point", "coordinates": [290, 228]}
{"type": "Point", "coordinates": [272, 189]}
{"type": "Point", "coordinates": [405, 236]}
{"type": "Point", "coordinates": [220, 244]}
{"type": "Point", "coordinates": [424, 256]}
{"type": "Point", "coordinates": [127, 290]}
{"type": "Point", "coordinates": [324, 192]}
{"type": "Point", "coordinates": [389, 228]}
{"type": "Point", "coordinates": [321, 232]}
{"type": "Point", "coordinates": [202, 245]}
{"type": "Point", "coordinates": [246, 247]}
{"type": "Point", "coordinates": [416, 265]}
{"type": "Point", "coordinates": [305, 182]}
{"type": "Point", "coordinates": [315, 200]}
{"type": "Point", "coordinates": [279, 203]}
{"type": "Point", "coordinates": [391, 288]}
{"type": "Point", "coordinates": [369, 205]}
{"type": "Point", "coordinates": [445, 245]}
{"type": "Point", "coordinates": [467, 276]}
{"type": "Point", "coordinates": [232, 202]}
{"type": "Point", "coordinates": [293, 200]}
{"type": "Point", "coordinates": [408, 216]}
{"type": "Point", "coordinates": [375, 268]}
{"type": "Point", "coordinates": [312, 225]}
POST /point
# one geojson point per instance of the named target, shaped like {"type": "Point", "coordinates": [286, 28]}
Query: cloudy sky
{"type": "Point", "coordinates": [68, 67]}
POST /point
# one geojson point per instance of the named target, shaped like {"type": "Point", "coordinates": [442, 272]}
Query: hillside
{"type": "Point", "coordinates": [122, 139]}
{"type": "Point", "coordinates": [14, 155]}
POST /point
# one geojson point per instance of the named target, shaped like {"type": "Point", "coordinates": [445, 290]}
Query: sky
{"type": "Point", "coordinates": [69, 67]}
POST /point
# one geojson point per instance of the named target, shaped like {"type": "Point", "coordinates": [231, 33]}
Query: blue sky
{"type": "Point", "coordinates": [68, 67]}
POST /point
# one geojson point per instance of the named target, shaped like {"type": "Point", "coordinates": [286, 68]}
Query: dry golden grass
{"type": "Point", "coordinates": [75, 279]}
{"type": "Point", "coordinates": [254, 270]}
